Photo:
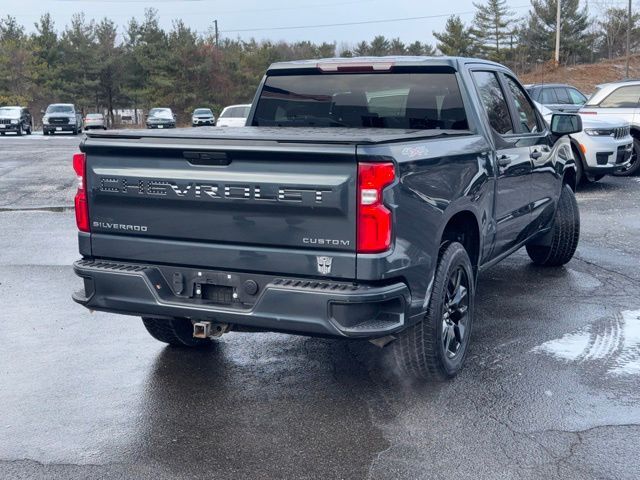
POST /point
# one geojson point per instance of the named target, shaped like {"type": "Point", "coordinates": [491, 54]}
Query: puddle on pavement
{"type": "Point", "coordinates": [614, 343]}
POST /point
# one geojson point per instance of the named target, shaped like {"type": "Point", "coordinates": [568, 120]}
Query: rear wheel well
{"type": "Point", "coordinates": [463, 228]}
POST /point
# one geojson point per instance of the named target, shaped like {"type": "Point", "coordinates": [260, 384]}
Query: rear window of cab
{"type": "Point", "coordinates": [363, 100]}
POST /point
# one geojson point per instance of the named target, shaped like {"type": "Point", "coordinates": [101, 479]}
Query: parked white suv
{"type": "Point", "coordinates": [604, 146]}
{"type": "Point", "coordinates": [234, 116]}
{"type": "Point", "coordinates": [619, 101]}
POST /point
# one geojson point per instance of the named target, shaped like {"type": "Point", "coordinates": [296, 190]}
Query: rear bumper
{"type": "Point", "coordinates": [294, 305]}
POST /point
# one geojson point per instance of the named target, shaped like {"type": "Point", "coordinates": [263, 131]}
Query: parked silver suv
{"type": "Point", "coordinates": [619, 100]}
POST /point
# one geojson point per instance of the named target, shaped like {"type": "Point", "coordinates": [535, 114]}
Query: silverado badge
{"type": "Point", "coordinates": [324, 265]}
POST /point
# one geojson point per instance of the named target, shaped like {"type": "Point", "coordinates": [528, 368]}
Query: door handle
{"type": "Point", "coordinates": [535, 155]}
{"type": "Point", "coordinates": [503, 161]}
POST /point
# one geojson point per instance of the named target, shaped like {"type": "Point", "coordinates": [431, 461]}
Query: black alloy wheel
{"type": "Point", "coordinates": [455, 312]}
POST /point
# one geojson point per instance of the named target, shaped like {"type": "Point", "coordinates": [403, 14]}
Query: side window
{"type": "Point", "coordinates": [527, 120]}
{"type": "Point", "coordinates": [577, 98]}
{"type": "Point", "coordinates": [563, 96]}
{"type": "Point", "coordinates": [623, 97]}
{"type": "Point", "coordinates": [493, 101]}
{"type": "Point", "coordinates": [548, 97]}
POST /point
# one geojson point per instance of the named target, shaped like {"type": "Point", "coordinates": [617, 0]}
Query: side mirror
{"type": "Point", "coordinates": [42, 112]}
{"type": "Point", "coordinates": [565, 124]}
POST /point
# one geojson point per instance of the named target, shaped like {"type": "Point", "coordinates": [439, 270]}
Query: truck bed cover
{"type": "Point", "coordinates": [346, 136]}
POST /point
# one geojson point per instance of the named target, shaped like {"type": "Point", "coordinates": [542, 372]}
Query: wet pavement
{"type": "Point", "coordinates": [551, 388]}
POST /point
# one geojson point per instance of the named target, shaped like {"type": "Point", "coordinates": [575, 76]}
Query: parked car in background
{"type": "Point", "coordinates": [161, 118]}
{"type": "Point", "coordinates": [234, 116]}
{"type": "Point", "coordinates": [94, 120]}
{"type": "Point", "coordinates": [15, 119]}
{"type": "Point", "coordinates": [61, 117]}
{"type": "Point", "coordinates": [604, 146]}
{"type": "Point", "coordinates": [558, 97]}
{"type": "Point", "coordinates": [202, 116]}
{"type": "Point", "coordinates": [620, 101]}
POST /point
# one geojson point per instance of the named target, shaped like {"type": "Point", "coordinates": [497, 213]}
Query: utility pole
{"type": "Point", "coordinates": [628, 40]}
{"type": "Point", "coordinates": [557, 57]}
{"type": "Point", "coordinates": [215, 23]}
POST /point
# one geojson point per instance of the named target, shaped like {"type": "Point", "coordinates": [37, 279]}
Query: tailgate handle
{"type": "Point", "coordinates": [207, 158]}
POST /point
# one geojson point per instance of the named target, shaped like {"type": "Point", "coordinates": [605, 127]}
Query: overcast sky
{"type": "Point", "coordinates": [261, 19]}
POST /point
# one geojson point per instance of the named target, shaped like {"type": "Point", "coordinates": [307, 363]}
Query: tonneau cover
{"type": "Point", "coordinates": [350, 136]}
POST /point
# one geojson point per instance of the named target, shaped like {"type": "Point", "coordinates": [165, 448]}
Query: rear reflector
{"type": "Point", "coordinates": [81, 204]}
{"type": "Point", "coordinates": [374, 218]}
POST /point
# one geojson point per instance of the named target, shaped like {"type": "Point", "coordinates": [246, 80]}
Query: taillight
{"type": "Point", "coordinates": [374, 218]}
{"type": "Point", "coordinates": [81, 204]}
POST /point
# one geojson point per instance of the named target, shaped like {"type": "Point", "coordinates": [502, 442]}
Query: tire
{"type": "Point", "coordinates": [434, 349]}
{"type": "Point", "coordinates": [564, 234]}
{"type": "Point", "coordinates": [19, 131]}
{"type": "Point", "coordinates": [634, 166]}
{"type": "Point", "coordinates": [177, 332]}
{"type": "Point", "coordinates": [29, 130]}
{"type": "Point", "coordinates": [581, 178]}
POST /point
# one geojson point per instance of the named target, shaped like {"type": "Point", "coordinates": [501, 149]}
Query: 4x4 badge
{"type": "Point", "coordinates": [324, 265]}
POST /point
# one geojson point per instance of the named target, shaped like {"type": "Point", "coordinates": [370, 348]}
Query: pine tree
{"type": "Point", "coordinates": [362, 49]}
{"type": "Point", "coordinates": [456, 39]}
{"type": "Point", "coordinates": [379, 46]}
{"type": "Point", "coordinates": [110, 66]}
{"type": "Point", "coordinates": [79, 62]}
{"type": "Point", "coordinates": [492, 29]}
{"type": "Point", "coordinates": [539, 35]}
{"type": "Point", "coordinates": [397, 47]}
{"type": "Point", "coordinates": [45, 62]}
{"type": "Point", "coordinates": [14, 63]}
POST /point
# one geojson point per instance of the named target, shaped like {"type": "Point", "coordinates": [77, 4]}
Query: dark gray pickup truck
{"type": "Point", "coordinates": [361, 201]}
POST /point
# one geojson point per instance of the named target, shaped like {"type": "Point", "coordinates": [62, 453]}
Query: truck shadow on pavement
{"type": "Point", "coordinates": [287, 407]}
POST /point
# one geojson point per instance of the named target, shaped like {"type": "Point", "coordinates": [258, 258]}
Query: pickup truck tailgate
{"type": "Point", "coordinates": [264, 206]}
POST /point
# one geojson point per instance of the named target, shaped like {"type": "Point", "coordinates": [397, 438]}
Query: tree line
{"type": "Point", "coordinates": [497, 33]}
{"type": "Point", "coordinates": [101, 67]}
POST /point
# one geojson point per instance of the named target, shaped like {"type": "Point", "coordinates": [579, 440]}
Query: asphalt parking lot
{"type": "Point", "coordinates": [551, 388]}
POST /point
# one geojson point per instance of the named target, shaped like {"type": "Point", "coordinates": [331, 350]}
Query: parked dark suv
{"type": "Point", "coordinates": [557, 97]}
{"type": "Point", "coordinates": [15, 119]}
{"type": "Point", "coordinates": [161, 118]}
